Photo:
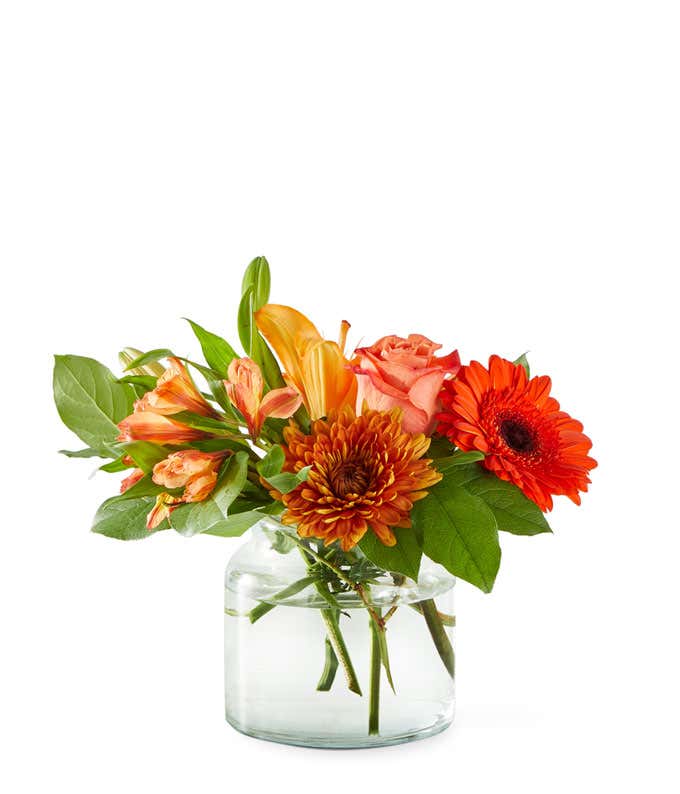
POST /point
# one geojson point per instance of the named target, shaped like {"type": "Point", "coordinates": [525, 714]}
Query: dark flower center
{"type": "Point", "coordinates": [517, 435]}
{"type": "Point", "coordinates": [349, 477]}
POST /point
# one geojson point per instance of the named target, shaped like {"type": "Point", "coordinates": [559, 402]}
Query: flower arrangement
{"type": "Point", "coordinates": [369, 460]}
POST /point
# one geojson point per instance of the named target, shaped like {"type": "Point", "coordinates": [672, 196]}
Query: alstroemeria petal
{"type": "Point", "coordinates": [281, 403]}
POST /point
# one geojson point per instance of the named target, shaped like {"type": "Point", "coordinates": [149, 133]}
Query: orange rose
{"type": "Point", "coordinates": [404, 373]}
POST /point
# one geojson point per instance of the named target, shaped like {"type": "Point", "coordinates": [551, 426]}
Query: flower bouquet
{"type": "Point", "coordinates": [372, 480]}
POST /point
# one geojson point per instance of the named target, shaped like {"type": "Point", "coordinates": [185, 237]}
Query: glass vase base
{"type": "Point", "coordinates": [327, 741]}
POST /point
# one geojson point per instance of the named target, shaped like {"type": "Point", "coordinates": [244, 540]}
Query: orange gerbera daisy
{"type": "Point", "coordinates": [366, 472]}
{"type": "Point", "coordinates": [515, 422]}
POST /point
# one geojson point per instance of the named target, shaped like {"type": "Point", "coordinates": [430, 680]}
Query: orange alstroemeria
{"type": "Point", "coordinates": [132, 479]}
{"type": "Point", "coordinates": [190, 469]}
{"type": "Point", "coordinates": [175, 392]}
{"type": "Point", "coordinates": [317, 367]}
{"type": "Point", "coordinates": [245, 387]}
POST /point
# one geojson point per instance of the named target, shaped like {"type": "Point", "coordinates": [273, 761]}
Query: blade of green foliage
{"type": "Point", "coordinates": [459, 458]}
{"type": "Point", "coordinates": [145, 454]}
{"type": "Point", "coordinates": [147, 358]}
{"type": "Point", "coordinates": [217, 351]}
{"type": "Point", "coordinates": [459, 532]}
{"type": "Point", "coordinates": [524, 361]}
{"type": "Point", "coordinates": [513, 511]}
{"type": "Point", "coordinates": [272, 463]}
{"type": "Point", "coordinates": [125, 519]}
{"type": "Point", "coordinates": [90, 401]}
{"type": "Point", "coordinates": [402, 558]}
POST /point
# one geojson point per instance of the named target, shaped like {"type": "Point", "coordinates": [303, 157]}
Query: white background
{"type": "Point", "coordinates": [502, 176]}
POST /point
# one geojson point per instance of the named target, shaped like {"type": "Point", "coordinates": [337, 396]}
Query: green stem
{"type": "Point", "coordinates": [374, 677]}
{"type": "Point", "coordinates": [264, 606]}
{"type": "Point", "coordinates": [439, 635]}
{"type": "Point", "coordinates": [338, 642]}
{"type": "Point", "coordinates": [329, 670]}
{"type": "Point", "coordinates": [447, 620]}
{"type": "Point", "coordinates": [330, 617]}
{"type": "Point", "coordinates": [358, 589]}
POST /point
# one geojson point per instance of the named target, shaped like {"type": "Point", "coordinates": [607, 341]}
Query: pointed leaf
{"type": "Point", "coordinates": [125, 519]}
{"type": "Point", "coordinates": [403, 558]}
{"type": "Point", "coordinates": [217, 351]}
{"type": "Point", "coordinates": [89, 399]}
{"type": "Point", "coordinates": [459, 532]}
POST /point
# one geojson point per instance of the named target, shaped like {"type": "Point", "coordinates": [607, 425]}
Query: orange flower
{"type": "Point", "coordinates": [132, 479]}
{"type": "Point", "coordinates": [164, 506]}
{"type": "Point", "coordinates": [365, 472]}
{"type": "Point", "coordinates": [245, 387]}
{"type": "Point", "coordinates": [190, 469]}
{"type": "Point", "coordinates": [404, 373]}
{"type": "Point", "coordinates": [150, 426]}
{"type": "Point", "coordinates": [316, 366]}
{"type": "Point", "coordinates": [527, 440]}
{"type": "Point", "coordinates": [175, 391]}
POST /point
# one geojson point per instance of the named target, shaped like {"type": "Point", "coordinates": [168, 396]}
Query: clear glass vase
{"type": "Point", "coordinates": [322, 649]}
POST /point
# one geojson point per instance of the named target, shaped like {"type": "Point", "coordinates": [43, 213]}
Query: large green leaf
{"type": "Point", "coordinates": [514, 512]}
{"type": "Point", "coordinates": [459, 532]}
{"type": "Point", "coordinates": [90, 401]}
{"type": "Point", "coordinates": [403, 558]}
{"type": "Point", "coordinates": [202, 516]}
{"type": "Point", "coordinates": [217, 351]}
{"type": "Point", "coordinates": [125, 519]}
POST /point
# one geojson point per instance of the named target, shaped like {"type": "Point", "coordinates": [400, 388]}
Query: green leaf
{"type": "Point", "coordinates": [217, 351]}
{"type": "Point", "coordinates": [206, 515]}
{"type": "Point", "coordinates": [89, 400]}
{"type": "Point", "coordinates": [125, 519]}
{"type": "Point", "coordinates": [114, 466]}
{"type": "Point", "coordinates": [200, 422]}
{"type": "Point", "coordinates": [147, 358]}
{"type": "Point", "coordinates": [514, 512]}
{"type": "Point", "coordinates": [247, 331]}
{"type": "Point", "coordinates": [286, 481]}
{"type": "Point", "coordinates": [88, 452]}
{"type": "Point", "coordinates": [258, 278]}
{"type": "Point", "coordinates": [255, 295]}
{"type": "Point", "coordinates": [440, 447]}
{"type": "Point", "coordinates": [236, 525]}
{"type": "Point", "coordinates": [145, 487]}
{"type": "Point", "coordinates": [459, 532]}
{"type": "Point", "coordinates": [147, 382]}
{"type": "Point", "coordinates": [459, 458]}
{"type": "Point", "coordinates": [145, 454]}
{"type": "Point", "coordinates": [403, 558]}
{"type": "Point", "coordinates": [272, 463]}
{"type": "Point", "coordinates": [524, 361]}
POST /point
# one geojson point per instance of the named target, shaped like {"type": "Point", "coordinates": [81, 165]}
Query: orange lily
{"type": "Point", "coordinates": [245, 387]}
{"type": "Point", "coordinates": [317, 367]}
